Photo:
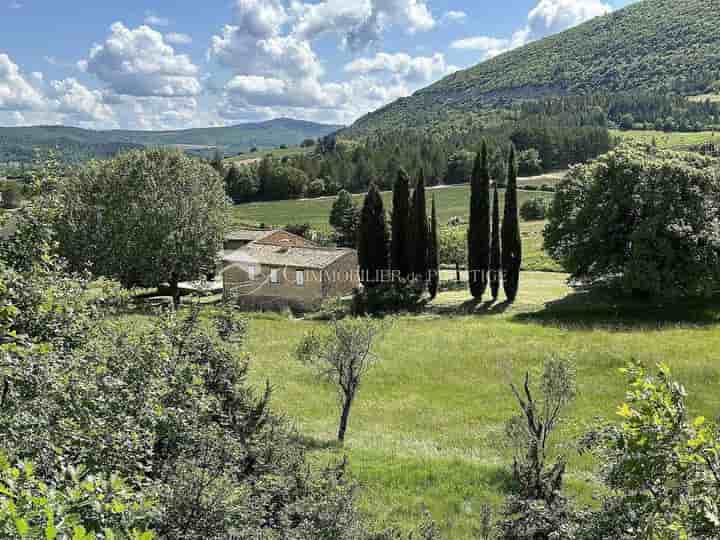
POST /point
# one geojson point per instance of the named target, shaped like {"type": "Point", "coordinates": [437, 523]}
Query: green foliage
{"type": "Point", "coordinates": [479, 227]}
{"type": "Point", "coordinates": [419, 231]}
{"type": "Point", "coordinates": [143, 218]}
{"type": "Point", "coordinates": [11, 194]}
{"type": "Point", "coordinates": [662, 468]}
{"type": "Point", "coordinates": [534, 209]}
{"type": "Point", "coordinates": [77, 506]}
{"type": "Point", "coordinates": [401, 241]}
{"type": "Point", "coordinates": [433, 254]}
{"type": "Point", "coordinates": [495, 248]}
{"type": "Point", "coordinates": [398, 296]}
{"type": "Point", "coordinates": [510, 233]}
{"type": "Point", "coordinates": [529, 163]}
{"type": "Point", "coordinates": [453, 247]}
{"type": "Point", "coordinates": [460, 167]}
{"type": "Point", "coordinates": [373, 238]}
{"type": "Point", "coordinates": [646, 216]}
{"type": "Point", "coordinates": [345, 219]}
{"type": "Point", "coordinates": [241, 184]}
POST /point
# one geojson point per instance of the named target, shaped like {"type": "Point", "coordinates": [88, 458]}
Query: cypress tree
{"type": "Point", "coordinates": [419, 231]}
{"type": "Point", "coordinates": [511, 242]}
{"type": "Point", "coordinates": [433, 250]}
{"type": "Point", "coordinates": [479, 226]}
{"type": "Point", "coordinates": [372, 244]}
{"type": "Point", "coordinates": [400, 247]}
{"type": "Point", "coordinates": [495, 255]}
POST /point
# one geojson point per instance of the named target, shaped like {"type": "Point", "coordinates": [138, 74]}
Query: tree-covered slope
{"type": "Point", "coordinates": [663, 45]}
{"type": "Point", "coordinates": [19, 143]}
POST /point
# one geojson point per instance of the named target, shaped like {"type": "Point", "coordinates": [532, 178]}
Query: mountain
{"type": "Point", "coordinates": [652, 46]}
{"type": "Point", "coordinates": [20, 143]}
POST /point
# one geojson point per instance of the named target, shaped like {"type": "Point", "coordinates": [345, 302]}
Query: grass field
{"type": "Point", "coordinates": [678, 141]}
{"type": "Point", "coordinates": [425, 430]}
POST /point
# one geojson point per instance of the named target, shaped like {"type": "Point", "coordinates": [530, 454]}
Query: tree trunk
{"type": "Point", "coordinates": [175, 291]}
{"type": "Point", "coordinates": [344, 419]}
{"type": "Point", "coordinates": [457, 272]}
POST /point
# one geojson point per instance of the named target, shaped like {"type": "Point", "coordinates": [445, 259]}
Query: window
{"type": "Point", "coordinates": [274, 276]}
{"type": "Point", "coordinates": [300, 277]}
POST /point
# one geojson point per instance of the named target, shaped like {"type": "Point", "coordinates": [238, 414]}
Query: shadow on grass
{"type": "Point", "coordinates": [606, 309]}
{"type": "Point", "coordinates": [473, 307]}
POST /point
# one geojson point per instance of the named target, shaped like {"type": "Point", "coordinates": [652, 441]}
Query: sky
{"type": "Point", "coordinates": [169, 64]}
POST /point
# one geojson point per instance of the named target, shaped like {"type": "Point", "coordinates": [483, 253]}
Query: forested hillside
{"type": "Point", "coordinates": [75, 144]}
{"type": "Point", "coordinates": [670, 46]}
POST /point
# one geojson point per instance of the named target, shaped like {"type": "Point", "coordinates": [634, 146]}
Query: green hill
{"type": "Point", "coordinates": [670, 46]}
{"type": "Point", "coordinates": [20, 143]}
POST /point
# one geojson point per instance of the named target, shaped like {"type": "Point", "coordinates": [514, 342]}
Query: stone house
{"type": "Point", "coordinates": [278, 269]}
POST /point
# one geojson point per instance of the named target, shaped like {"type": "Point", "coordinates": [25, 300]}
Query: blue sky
{"type": "Point", "coordinates": [165, 64]}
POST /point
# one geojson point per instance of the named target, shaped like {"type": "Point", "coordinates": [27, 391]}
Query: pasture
{"type": "Point", "coordinates": [426, 430]}
{"type": "Point", "coordinates": [671, 140]}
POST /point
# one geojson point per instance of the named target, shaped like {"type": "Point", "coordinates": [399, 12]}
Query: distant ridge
{"type": "Point", "coordinates": [654, 45]}
{"type": "Point", "coordinates": [21, 143]}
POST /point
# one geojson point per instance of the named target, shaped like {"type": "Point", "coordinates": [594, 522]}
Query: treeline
{"type": "Point", "coordinates": [644, 111]}
{"type": "Point", "coordinates": [543, 144]}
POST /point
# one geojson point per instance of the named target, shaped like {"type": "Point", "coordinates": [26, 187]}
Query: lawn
{"type": "Point", "coordinates": [451, 201]}
{"type": "Point", "coordinates": [678, 141]}
{"type": "Point", "coordinates": [425, 431]}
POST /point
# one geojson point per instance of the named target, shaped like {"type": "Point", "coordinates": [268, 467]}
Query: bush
{"type": "Point", "coordinates": [396, 297]}
{"type": "Point", "coordinates": [533, 209]}
{"type": "Point", "coordinates": [11, 194]}
{"type": "Point", "coordinates": [645, 218]}
{"type": "Point", "coordinates": [529, 163]}
{"type": "Point", "coordinates": [316, 188]}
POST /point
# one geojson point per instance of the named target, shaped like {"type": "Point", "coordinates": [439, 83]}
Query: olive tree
{"type": "Point", "coordinates": [343, 356]}
{"type": "Point", "coordinates": [144, 217]}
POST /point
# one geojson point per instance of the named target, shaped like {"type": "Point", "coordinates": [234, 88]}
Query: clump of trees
{"type": "Point", "coordinates": [534, 209]}
{"type": "Point", "coordinates": [345, 220]}
{"type": "Point", "coordinates": [642, 218]}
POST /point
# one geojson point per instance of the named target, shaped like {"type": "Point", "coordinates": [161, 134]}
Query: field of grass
{"type": "Point", "coordinates": [677, 141]}
{"type": "Point", "coordinates": [425, 431]}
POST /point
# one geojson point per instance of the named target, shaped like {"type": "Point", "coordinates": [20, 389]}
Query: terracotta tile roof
{"type": "Point", "coordinates": [298, 257]}
{"type": "Point", "coordinates": [248, 235]}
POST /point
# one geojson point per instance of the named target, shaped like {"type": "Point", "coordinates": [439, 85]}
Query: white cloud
{"type": "Point", "coordinates": [177, 38]}
{"type": "Point", "coordinates": [417, 69]}
{"type": "Point", "coordinates": [16, 93]}
{"type": "Point", "coordinates": [155, 20]}
{"type": "Point", "coordinates": [552, 16]}
{"type": "Point", "coordinates": [139, 63]}
{"type": "Point", "coordinates": [548, 17]}
{"type": "Point", "coordinates": [455, 16]}
{"type": "Point", "coordinates": [360, 22]}
{"type": "Point", "coordinates": [69, 97]}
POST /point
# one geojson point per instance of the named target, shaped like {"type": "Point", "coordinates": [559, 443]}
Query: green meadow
{"type": "Point", "coordinates": [426, 431]}
{"type": "Point", "coordinates": [667, 140]}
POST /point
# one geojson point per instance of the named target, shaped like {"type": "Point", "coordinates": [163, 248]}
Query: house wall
{"type": "Point", "coordinates": [286, 293]}
{"type": "Point", "coordinates": [341, 277]}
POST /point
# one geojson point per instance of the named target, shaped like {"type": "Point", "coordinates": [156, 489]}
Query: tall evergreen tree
{"type": "Point", "coordinates": [511, 242]}
{"type": "Point", "coordinates": [479, 227]}
{"type": "Point", "coordinates": [373, 241]}
{"type": "Point", "coordinates": [419, 231]}
{"type": "Point", "coordinates": [344, 218]}
{"type": "Point", "coordinates": [217, 162]}
{"type": "Point", "coordinates": [400, 247]}
{"type": "Point", "coordinates": [433, 252]}
{"type": "Point", "coordinates": [495, 254]}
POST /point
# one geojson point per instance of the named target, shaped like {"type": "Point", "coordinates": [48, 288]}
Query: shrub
{"type": "Point", "coordinates": [398, 296]}
{"type": "Point", "coordinates": [316, 188]}
{"type": "Point", "coordinates": [533, 209]}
